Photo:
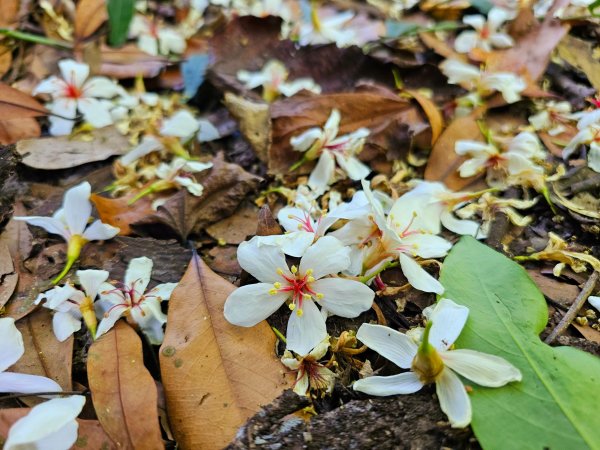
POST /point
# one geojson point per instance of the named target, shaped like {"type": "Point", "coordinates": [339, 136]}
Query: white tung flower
{"type": "Point", "coordinates": [184, 125]}
{"type": "Point", "coordinates": [179, 173]}
{"type": "Point", "coordinates": [435, 361]}
{"type": "Point", "coordinates": [132, 299]}
{"type": "Point", "coordinates": [77, 92]}
{"type": "Point", "coordinates": [11, 350]}
{"type": "Point", "coordinates": [71, 305]}
{"type": "Point", "coordinates": [589, 133]}
{"type": "Point", "coordinates": [327, 30]}
{"type": "Point", "coordinates": [51, 425]}
{"type": "Point", "coordinates": [310, 374]}
{"type": "Point", "coordinates": [303, 286]}
{"type": "Point", "coordinates": [272, 77]}
{"type": "Point", "coordinates": [485, 83]}
{"type": "Point", "coordinates": [71, 222]}
{"type": "Point", "coordinates": [154, 38]}
{"type": "Point", "coordinates": [551, 117]}
{"type": "Point", "coordinates": [486, 35]}
{"type": "Point", "coordinates": [325, 144]}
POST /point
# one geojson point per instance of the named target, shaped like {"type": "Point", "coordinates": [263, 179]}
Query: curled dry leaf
{"type": "Point", "coordinates": [44, 354]}
{"type": "Point", "coordinates": [90, 434]}
{"type": "Point", "coordinates": [580, 54]}
{"type": "Point", "coordinates": [89, 16]}
{"type": "Point", "coordinates": [443, 161]}
{"type": "Point", "coordinates": [225, 186]}
{"type": "Point", "coordinates": [215, 374]}
{"type": "Point", "coordinates": [129, 61]}
{"type": "Point", "coordinates": [123, 391]}
{"type": "Point", "coordinates": [64, 152]}
{"type": "Point", "coordinates": [392, 121]}
{"type": "Point", "coordinates": [119, 213]}
{"type": "Point", "coordinates": [8, 274]}
{"type": "Point", "coordinates": [17, 111]}
{"type": "Point", "coordinates": [436, 120]}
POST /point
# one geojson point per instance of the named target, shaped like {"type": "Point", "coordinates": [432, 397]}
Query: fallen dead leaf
{"type": "Point", "coordinates": [235, 228]}
{"type": "Point", "coordinates": [119, 213]}
{"type": "Point", "coordinates": [129, 61]}
{"type": "Point", "coordinates": [63, 152]}
{"type": "Point", "coordinates": [443, 161]}
{"type": "Point", "coordinates": [591, 334]}
{"type": "Point", "coordinates": [215, 374]}
{"type": "Point", "coordinates": [392, 122]}
{"type": "Point", "coordinates": [89, 16]}
{"type": "Point", "coordinates": [225, 186]}
{"type": "Point", "coordinates": [556, 290]}
{"type": "Point", "coordinates": [580, 54]}
{"type": "Point", "coordinates": [436, 120]}
{"type": "Point", "coordinates": [13, 130]}
{"type": "Point", "coordinates": [267, 225]}
{"type": "Point", "coordinates": [15, 104]}
{"type": "Point", "coordinates": [44, 354]}
{"type": "Point", "coordinates": [8, 274]}
{"type": "Point", "coordinates": [123, 391]}
{"type": "Point", "coordinates": [90, 434]}
{"type": "Point", "coordinates": [9, 10]}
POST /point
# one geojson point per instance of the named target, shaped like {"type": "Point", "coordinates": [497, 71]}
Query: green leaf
{"type": "Point", "coordinates": [556, 405]}
{"type": "Point", "coordinates": [120, 13]}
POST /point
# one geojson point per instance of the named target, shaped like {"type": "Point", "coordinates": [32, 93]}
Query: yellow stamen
{"type": "Point", "coordinates": [272, 291]}
{"type": "Point", "coordinates": [292, 306]}
{"type": "Point", "coordinates": [294, 270]}
{"type": "Point", "coordinates": [299, 312]}
{"type": "Point", "coordinates": [320, 296]}
{"type": "Point", "coordinates": [277, 285]}
{"type": "Point", "coordinates": [279, 271]}
{"type": "Point", "coordinates": [310, 279]}
{"type": "Point", "coordinates": [309, 272]}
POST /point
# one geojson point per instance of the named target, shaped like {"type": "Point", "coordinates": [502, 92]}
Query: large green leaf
{"type": "Point", "coordinates": [120, 13]}
{"type": "Point", "coordinates": [557, 405]}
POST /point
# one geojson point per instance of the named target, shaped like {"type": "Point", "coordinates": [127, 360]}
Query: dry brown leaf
{"type": "Point", "coordinates": [237, 227]}
{"type": "Point", "coordinates": [225, 186]}
{"type": "Point", "coordinates": [44, 354]}
{"type": "Point", "coordinates": [15, 104]}
{"type": "Point", "coordinates": [119, 213]}
{"type": "Point", "coordinates": [90, 434]}
{"type": "Point", "coordinates": [443, 161]}
{"type": "Point", "coordinates": [392, 121]}
{"type": "Point", "coordinates": [531, 53]}
{"type": "Point", "coordinates": [8, 274]}
{"type": "Point", "coordinates": [13, 130]}
{"type": "Point", "coordinates": [580, 54]}
{"type": "Point", "coordinates": [553, 288]}
{"type": "Point", "coordinates": [89, 16]}
{"type": "Point", "coordinates": [64, 152]}
{"type": "Point", "coordinates": [128, 62]}
{"type": "Point", "coordinates": [436, 120]}
{"type": "Point", "coordinates": [215, 374]}
{"type": "Point", "coordinates": [591, 334]}
{"type": "Point", "coordinates": [123, 391]}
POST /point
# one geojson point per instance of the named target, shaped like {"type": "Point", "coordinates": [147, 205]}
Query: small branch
{"type": "Point", "coordinates": [587, 289]}
{"type": "Point", "coordinates": [39, 394]}
{"type": "Point", "coordinates": [20, 35]}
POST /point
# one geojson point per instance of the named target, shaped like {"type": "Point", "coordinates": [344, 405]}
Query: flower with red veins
{"type": "Point", "coordinates": [155, 38]}
{"type": "Point", "coordinates": [486, 35]}
{"type": "Point", "coordinates": [303, 287]}
{"type": "Point", "coordinates": [75, 91]}
{"type": "Point", "coordinates": [311, 375]}
{"type": "Point", "coordinates": [324, 143]}
{"type": "Point", "coordinates": [131, 299]}
{"type": "Point", "coordinates": [551, 117]}
{"type": "Point", "coordinates": [589, 134]}
{"type": "Point", "coordinates": [273, 79]}
{"type": "Point", "coordinates": [70, 305]}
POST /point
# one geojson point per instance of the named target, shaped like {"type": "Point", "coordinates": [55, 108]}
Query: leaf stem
{"type": "Point", "coordinates": [28, 37]}
{"type": "Point", "coordinates": [365, 279]}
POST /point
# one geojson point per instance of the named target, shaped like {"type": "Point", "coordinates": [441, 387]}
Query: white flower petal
{"type": "Point", "coordinates": [404, 383]}
{"type": "Point", "coordinates": [483, 369]}
{"type": "Point", "coordinates": [182, 124]}
{"type": "Point", "coordinates": [148, 145]}
{"type": "Point", "coordinates": [208, 132]}
{"type": "Point", "coordinates": [73, 72]}
{"type": "Point", "coordinates": [501, 40]}
{"type": "Point", "coordinates": [50, 224]}
{"type": "Point", "coordinates": [459, 72]}
{"type": "Point", "coordinates": [77, 207]}
{"type": "Point", "coordinates": [48, 426]}
{"type": "Point", "coordinates": [458, 226]}
{"type": "Point", "coordinates": [306, 331]}
{"type": "Point", "coordinates": [418, 277]}
{"type": "Point", "coordinates": [162, 292]}
{"type": "Point", "coordinates": [353, 167]}
{"type": "Point", "coordinates": [389, 343]}
{"type": "Point", "coordinates": [51, 85]}
{"type": "Point", "coordinates": [99, 231]}
{"type": "Point", "coordinates": [342, 297]}
{"type": "Point", "coordinates": [148, 44]}
{"type": "Point", "coordinates": [448, 320]}
{"type": "Point", "coordinates": [26, 384]}
{"type": "Point", "coordinates": [64, 325]}
{"type": "Point", "coordinates": [322, 175]}
{"type": "Point", "coordinates": [466, 41]}
{"type": "Point", "coordinates": [190, 184]}
{"type": "Point", "coordinates": [110, 318]}
{"type": "Point", "coordinates": [453, 398]}
{"type": "Point", "coordinates": [95, 112]}
{"type": "Point", "coordinates": [294, 219]}
{"type": "Point", "coordinates": [91, 280]}
{"type": "Point", "coordinates": [327, 256]}
{"type": "Point", "coordinates": [251, 304]}
{"type": "Point", "coordinates": [262, 260]}
{"type": "Point", "coordinates": [429, 245]}
{"type": "Point", "coordinates": [473, 166]}
{"type": "Point", "coordinates": [474, 148]}
{"type": "Point", "coordinates": [11, 343]}
{"type": "Point", "coordinates": [138, 274]}
{"type": "Point", "coordinates": [304, 141]}
{"type": "Point", "coordinates": [302, 384]}
{"type": "Point", "coordinates": [102, 87]}
{"type": "Point", "coordinates": [594, 301]}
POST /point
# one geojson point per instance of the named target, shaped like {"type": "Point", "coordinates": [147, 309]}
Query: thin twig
{"type": "Point", "coordinates": [587, 289]}
{"type": "Point", "coordinates": [39, 394]}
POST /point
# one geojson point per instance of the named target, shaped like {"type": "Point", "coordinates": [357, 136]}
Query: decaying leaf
{"type": "Point", "coordinates": [436, 120]}
{"type": "Point", "coordinates": [44, 354]}
{"type": "Point", "coordinates": [90, 434]}
{"type": "Point", "coordinates": [89, 15]}
{"type": "Point", "coordinates": [225, 186]}
{"type": "Point", "coordinates": [8, 274]}
{"type": "Point", "coordinates": [128, 62]}
{"type": "Point", "coordinates": [119, 213]}
{"type": "Point", "coordinates": [235, 228]}
{"type": "Point", "coordinates": [123, 391]}
{"type": "Point", "coordinates": [215, 374]}
{"type": "Point", "coordinates": [15, 104]}
{"type": "Point", "coordinates": [443, 161]}
{"type": "Point", "coordinates": [13, 130]}
{"type": "Point", "coordinates": [63, 152]}
{"type": "Point", "coordinates": [580, 54]}
{"type": "Point", "coordinates": [392, 121]}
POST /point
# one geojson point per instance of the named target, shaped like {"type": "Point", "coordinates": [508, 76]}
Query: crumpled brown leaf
{"type": "Point", "coordinates": [215, 374]}
{"type": "Point", "coordinates": [119, 213]}
{"type": "Point", "coordinates": [225, 186]}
